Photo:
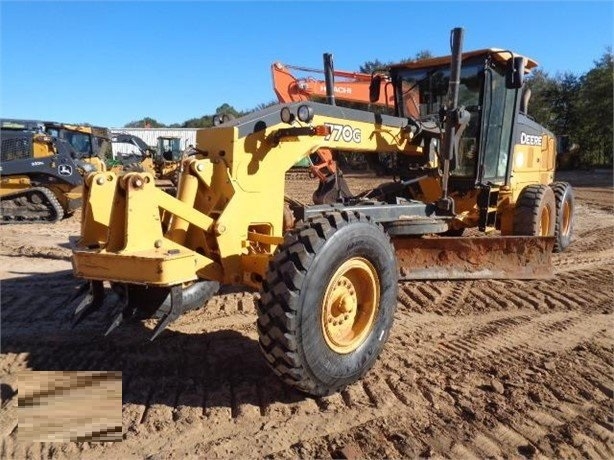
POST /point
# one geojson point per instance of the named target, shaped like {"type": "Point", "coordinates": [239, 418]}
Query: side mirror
{"type": "Point", "coordinates": [374, 88]}
{"type": "Point", "coordinates": [514, 76]}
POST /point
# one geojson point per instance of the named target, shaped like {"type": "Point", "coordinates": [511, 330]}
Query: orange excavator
{"type": "Point", "coordinates": [348, 86]}
{"type": "Point", "coordinates": [352, 89]}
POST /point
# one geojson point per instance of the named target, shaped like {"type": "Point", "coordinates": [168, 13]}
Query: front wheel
{"type": "Point", "coordinates": [327, 303]}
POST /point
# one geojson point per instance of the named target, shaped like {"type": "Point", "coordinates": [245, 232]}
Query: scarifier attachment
{"type": "Point", "coordinates": [90, 296]}
{"type": "Point", "coordinates": [501, 257]}
{"type": "Point", "coordinates": [173, 312]}
{"type": "Point", "coordinates": [127, 312]}
{"type": "Point", "coordinates": [138, 302]}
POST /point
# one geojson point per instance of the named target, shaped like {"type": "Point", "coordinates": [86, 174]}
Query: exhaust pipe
{"type": "Point", "coordinates": [329, 78]}
{"type": "Point", "coordinates": [446, 204]}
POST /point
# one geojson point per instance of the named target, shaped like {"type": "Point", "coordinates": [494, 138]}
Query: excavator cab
{"type": "Point", "coordinates": [87, 141]}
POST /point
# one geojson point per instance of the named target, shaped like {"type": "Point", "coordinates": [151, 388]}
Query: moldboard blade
{"type": "Point", "coordinates": [497, 257]}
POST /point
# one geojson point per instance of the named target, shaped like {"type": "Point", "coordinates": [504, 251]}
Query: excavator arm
{"type": "Point", "coordinates": [349, 86]}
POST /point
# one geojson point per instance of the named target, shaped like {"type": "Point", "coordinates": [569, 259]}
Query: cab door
{"type": "Point", "coordinates": [498, 115]}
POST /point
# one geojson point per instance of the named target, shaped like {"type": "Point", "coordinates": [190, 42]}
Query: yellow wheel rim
{"type": "Point", "coordinates": [566, 218]}
{"type": "Point", "coordinates": [350, 305]}
{"type": "Point", "coordinates": [544, 221]}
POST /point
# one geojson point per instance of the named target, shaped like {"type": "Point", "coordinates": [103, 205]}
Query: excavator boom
{"type": "Point", "coordinates": [349, 86]}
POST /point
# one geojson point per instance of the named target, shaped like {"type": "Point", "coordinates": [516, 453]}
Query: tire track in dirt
{"type": "Point", "coordinates": [593, 240]}
{"type": "Point", "coordinates": [211, 394]}
{"type": "Point", "coordinates": [372, 392]}
{"type": "Point", "coordinates": [505, 337]}
{"type": "Point", "coordinates": [428, 296]}
{"type": "Point", "coordinates": [236, 401]}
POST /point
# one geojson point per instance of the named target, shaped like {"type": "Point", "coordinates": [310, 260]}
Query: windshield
{"type": "Point", "coordinates": [423, 91]}
{"type": "Point", "coordinates": [79, 141]}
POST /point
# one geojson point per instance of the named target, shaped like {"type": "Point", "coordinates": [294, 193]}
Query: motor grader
{"type": "Point", "coordinates": [467, 157]}
{"type": "Point", "coordinates": [164, 162]}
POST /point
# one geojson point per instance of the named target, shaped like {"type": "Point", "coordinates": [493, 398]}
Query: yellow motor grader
{"type": "Point", "coordinates": [467, 156]}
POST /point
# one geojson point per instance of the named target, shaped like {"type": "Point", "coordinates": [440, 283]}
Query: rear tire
{"type": "Point", "coordinates": [327, 303]}
{"type": "Point", "coordinates": [565, 211]}
{"type": "Point", "coordinates": [535, 211]}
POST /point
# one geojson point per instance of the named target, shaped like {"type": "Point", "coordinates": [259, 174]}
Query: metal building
{"type": "Point", "coordinates": [150, 137]}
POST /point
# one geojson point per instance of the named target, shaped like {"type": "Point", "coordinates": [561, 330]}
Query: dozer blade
{"type": "Point", "coordinates": [91, 297]}
{"type": "Point", "coordinates": [504, 257]}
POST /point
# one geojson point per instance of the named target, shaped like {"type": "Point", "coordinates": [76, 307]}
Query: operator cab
{"type": "Point", "coordinates": [169, 148]}
{"type": "Point", "coordinates": [489, 91]}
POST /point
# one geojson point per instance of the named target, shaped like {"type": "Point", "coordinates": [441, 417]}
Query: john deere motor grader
{"type": "Point", "coordinates": [328, 273]}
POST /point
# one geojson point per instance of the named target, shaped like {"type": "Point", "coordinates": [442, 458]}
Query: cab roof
{"type": "Point", "coordinates": [497, 54]}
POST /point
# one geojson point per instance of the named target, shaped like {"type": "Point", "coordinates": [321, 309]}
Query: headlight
{"type": "Point", "coordinates": [286, 115]}
{"type": "Point", "coordinates": [305, 113]}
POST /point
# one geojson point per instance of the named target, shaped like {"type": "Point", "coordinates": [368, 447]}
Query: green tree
{"type": "Point", "coordinates": [542, 87]}
{"type": "Point", "coordinates": [377, 65]}
{"type": "Point", "coordinates": [595, 113]}
{"type": "Point", "coordinates": [422, 54]}
{"type": "Point", "coordinates": [372, 66]}
{"type": "Point", "coordinates": [146, 122]}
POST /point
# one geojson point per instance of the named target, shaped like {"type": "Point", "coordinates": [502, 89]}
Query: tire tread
{"type": "Point", "coordinates": [277, 316]}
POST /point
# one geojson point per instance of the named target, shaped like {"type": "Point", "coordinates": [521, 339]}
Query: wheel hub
{"type": "Point", "coordinates": [544, 222]}
{"type": "Point", "coordinates": [350, 305]}
{"type": "Point", "coordinates": [566, 220]}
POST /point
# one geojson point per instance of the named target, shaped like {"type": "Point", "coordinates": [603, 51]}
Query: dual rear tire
{"type": "Point", "coordinates": [543, 210]}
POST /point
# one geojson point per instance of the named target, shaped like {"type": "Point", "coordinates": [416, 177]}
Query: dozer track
{"type": "Point", "coordinates": [34, 205]}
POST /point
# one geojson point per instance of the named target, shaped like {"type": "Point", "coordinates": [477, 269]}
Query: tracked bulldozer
{"type": "Point", "coordinates": [467, 157]}
{"type": "Point", "coordinates": [41, 171]}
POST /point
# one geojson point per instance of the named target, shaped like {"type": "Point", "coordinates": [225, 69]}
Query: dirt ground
{"type": "Point", "coordinates": [472, 369]}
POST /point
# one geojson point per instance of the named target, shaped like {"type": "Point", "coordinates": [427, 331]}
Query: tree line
{"type": "Point", "coordinates": [578, 109]}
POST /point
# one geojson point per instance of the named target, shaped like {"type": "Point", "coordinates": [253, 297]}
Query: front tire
{"type": "Point", "coordinates": [327, 303]}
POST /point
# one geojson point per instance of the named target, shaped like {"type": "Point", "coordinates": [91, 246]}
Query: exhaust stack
{"type": "Point", "coordinates": [329, 77]}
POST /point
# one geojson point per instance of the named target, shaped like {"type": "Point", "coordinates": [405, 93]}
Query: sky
{"type": "Point", "coordinates": [109, 63]}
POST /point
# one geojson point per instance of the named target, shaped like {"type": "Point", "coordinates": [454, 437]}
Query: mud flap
{"type": "Point", "coordinates": [501, 257]}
